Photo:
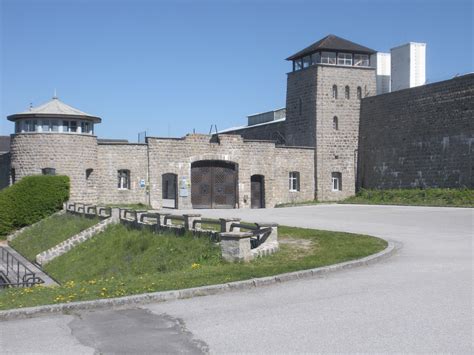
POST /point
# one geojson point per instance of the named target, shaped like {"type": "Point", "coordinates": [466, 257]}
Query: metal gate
{"type": "Point", "coordinates": [213, 184]}
{"type": "Point", "coordinates": [257, 199]}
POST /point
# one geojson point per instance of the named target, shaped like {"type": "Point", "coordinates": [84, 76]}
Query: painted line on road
{"type": "Point", "coordinates": [163, 296]}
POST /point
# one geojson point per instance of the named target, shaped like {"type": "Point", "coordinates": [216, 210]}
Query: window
{"type": "Point", "coordinates": [27, 126]}
{"type": "Point", "coordinates": [85, 127]}
{"type": "Point", "coordinates": [336, 181]}
{"type": "Point", "coordinates": [347, 92]}
{"type": "Point", "coordinates": [17, 127]}
{"type": "Point", "coordinates": [65, 126]}
{"type": "Point", "coordinates": [34, 126]}
{"type": "Point", "coordinates": [306, 61]}
{"type": "Point", "coordinates": [297, 64]}
{"type": "Point", "coordinates": [335, 123]}
{"type": "Point", "coordinates": [300, 106]}
{"type": "Point", "coordinates": [316, 58]}
{"type": "Point", "coordinates": [13, 175]}
{"type": "Point", "coordinates": [124, 179]}
{"type": "Point", "coordinates": [89, 173]}
{"type": "Point", "coordinates": [361, 60]}
{"type": "Point", "coordinates": [48, 171]}
{"type": "Point", "coordinates": [344, 59]}
{"type": "Point", "coordinates": [359, 93]}
{"type": "Point", "coordinates": [45, 126]}
{"type": "Point", "coordinates": [73, 126]}
{"type": "Point", "coordinates": [54, 125]}
{"type": "Point", "coordinates": [328, 58]}
{"type": "Point", "coordinates": [334, 91]}
{"type": "Point", "coordinates": [294, 181]}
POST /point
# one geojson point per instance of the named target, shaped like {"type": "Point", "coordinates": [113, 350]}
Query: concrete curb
{"type": "Point", "coordinates": [163, 296]}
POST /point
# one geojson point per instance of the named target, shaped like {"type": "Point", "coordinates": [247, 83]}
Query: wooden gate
{"type": "Point", "coordinates": [213, 184]}
{"type": "Point", "coordinates": [257, 198]}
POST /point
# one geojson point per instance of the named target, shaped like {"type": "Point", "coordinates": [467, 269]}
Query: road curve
{"type": "Point", "coordinates": [419, 300]}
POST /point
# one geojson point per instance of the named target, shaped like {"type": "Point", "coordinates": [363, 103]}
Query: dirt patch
{"type": "Point", "coordinates": [299, 247]}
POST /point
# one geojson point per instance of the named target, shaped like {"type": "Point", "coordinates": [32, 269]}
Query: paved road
{"type": "Point", "coordinates": [419, 300]}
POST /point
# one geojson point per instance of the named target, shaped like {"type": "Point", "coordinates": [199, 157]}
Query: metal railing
{"type": "Point", "coordinates": [16, 274]}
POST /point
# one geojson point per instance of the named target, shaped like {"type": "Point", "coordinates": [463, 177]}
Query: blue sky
{"type": "Point", "coordinates": [171, 67]}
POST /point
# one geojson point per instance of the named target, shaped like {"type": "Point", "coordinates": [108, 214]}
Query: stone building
{"type": "Point", "coordinates": [334, 131]}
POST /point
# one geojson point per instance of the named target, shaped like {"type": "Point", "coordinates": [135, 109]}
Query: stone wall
{"type": "Point", "coordinates": [252, 157]}
{"type": "Point", "coordinates": [69, 154]}
{"type": "Point", "coordinates": [336, 149]}
{"type": "Point", "coordinates": [310, 111]}
{"type": "Point", "coordinates": [117, 156]}
{"type": "Point", "coordinates": [274, 131]}
{"type": "Point", "coordinates": [4, 170]}
{"type": "Point", "coordinates": [419, 137]}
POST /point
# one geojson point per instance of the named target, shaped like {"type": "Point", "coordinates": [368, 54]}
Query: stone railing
{"type": "Point", "coordinates": [255, 240]}
{"type": "Point", "coordinates": [89, 211]}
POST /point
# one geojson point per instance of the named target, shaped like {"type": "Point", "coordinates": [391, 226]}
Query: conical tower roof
{"type": "Point", "coordinates": [54, 108]}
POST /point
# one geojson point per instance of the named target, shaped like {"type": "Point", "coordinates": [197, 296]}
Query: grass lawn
{"type": "Point", "coordinates": [122, 261]}
{"type": "Point", "coordinates": [48, 233]}
{"type": "Point", "coordinates": [415, 197]}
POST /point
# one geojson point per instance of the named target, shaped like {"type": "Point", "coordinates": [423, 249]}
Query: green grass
{"type": "Point", "coordinates": [415, 197]}
{"type": "Point", "coordinates": [122, 262]}
{"type": "Point", "coordinates": [302, 203]}
{"type": "Point", "coordinates": [48, 233]}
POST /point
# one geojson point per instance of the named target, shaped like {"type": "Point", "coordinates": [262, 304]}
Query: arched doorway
{"type": "Point", "coordinates": [257, 189]}
{"type": "Point", "coordinates": [169, 189]}
{"type": "Point", "coordinates": [213, 184]}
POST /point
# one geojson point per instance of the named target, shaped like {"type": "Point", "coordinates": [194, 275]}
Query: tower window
{"type": "Point", "coordinates": [123, 179]}
{"type": "Point", "coordinates": [336, 181]}
{"type": "Point", "coordinates": [316, 58]}
{"type": "Point", "coordinates": [344, 59]}
{"type": "Point", "coordinates": [335, 123]}
{"type": "Point", "coordinates": [17, 127]}
{"type": "Point", "coordinates": [85, 127]}
{"type": "Point", "coordinates": [334, 91]}
{"type": "Point", "coordinates": [45, 127]}
{"type": "Point", "coordinates": [294, 180]}
{"type": "Point", "coordinates": [306, 61]}
{"type": "Point", "coordinates": [65, 126]}
{"type": "Point", "coordinates": [48, 171]}
{"type": "Point", "coordinates": [73, 126]}
{"type": "Point", "coordinates": [328, 58]}
{"type": "Point", "coordinates": [54, 125]}
{"type": "Point", "coordinates": [359, 92]}
{"type": "Point", "coordinates": [348, 92]}
{"type": "Point", "coordinates": [34, 126]}
{"type": "Point", "coordinates": [297, 64]}
{"type": "Point", "coordinates": [361, 60]}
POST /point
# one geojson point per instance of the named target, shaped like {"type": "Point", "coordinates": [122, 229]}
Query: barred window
{"type": "Point", "coordinates": [359, 92]}
{"type": "Point", "coordinates": [48, 171]}
{"type": "Point", "coordinates": [123, 179]}
{"type": "Point", "coordinates": [348, 92]}
{"type": "Point", "coordinates": [334, 91]}
{"type": "Point", "coordinates": [335, 123]}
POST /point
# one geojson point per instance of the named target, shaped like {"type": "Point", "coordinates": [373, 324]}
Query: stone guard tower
{"type": "Point", "coordinates": [324, 90]}
{"type": "Point", "coordinates": [55, 138]}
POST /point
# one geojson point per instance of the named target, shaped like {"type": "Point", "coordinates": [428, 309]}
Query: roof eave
{"type": "Point", "coordinates": [17, 116]}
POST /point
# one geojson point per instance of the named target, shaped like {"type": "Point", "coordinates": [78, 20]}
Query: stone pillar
{"type": "Point", "coordinates": [189, 219]}
{"type": "Point", "coordinates": [273, 237]}
{"type": "Point", "coordinates": [115, 214]}
{"type": "Point", "coordinates": [235, 246]}
{"type": "Point", "coordinates": [162, 219]}
{"type": "Point", "coordinates": [226, 223]}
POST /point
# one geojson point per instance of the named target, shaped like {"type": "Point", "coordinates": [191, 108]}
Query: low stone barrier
{"type": "Point", "coordinates": [63, 247]}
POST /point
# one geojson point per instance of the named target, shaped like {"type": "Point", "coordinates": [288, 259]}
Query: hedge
{"type": "Point", "coordinates": [30, 200]}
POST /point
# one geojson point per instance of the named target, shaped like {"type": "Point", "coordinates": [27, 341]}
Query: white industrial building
{"type": "Point", "coordinates": [382, 63]}
{"type": "Point", "coordinates": [408, 66]}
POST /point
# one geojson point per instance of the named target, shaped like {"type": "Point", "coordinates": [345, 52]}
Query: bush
{"type": "Point", "coordinates": [30, 200]}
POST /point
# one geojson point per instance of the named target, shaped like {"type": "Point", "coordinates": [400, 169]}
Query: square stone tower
{"type": "Point", "coordinates": [324, 90]}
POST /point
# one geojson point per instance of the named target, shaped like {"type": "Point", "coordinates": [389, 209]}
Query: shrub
{"type": "Point", "coordinates": [30, 200]}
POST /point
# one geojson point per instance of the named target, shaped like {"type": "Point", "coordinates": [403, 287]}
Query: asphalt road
{"type": "Point", "coordinates": [419, 300]}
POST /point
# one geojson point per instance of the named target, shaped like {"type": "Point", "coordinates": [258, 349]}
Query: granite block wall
{"type": "Point", "coordinates": [117, 156]}
{"type": "Point", "coordinates": [69, 154]}
{"type": "Point", "coordinates": [252, 157]}
{"type": "Point", "coordinates": [418, 137]}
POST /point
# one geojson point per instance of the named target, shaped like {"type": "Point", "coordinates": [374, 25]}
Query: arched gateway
{"type": "Point", "coordinates": [213, 184]}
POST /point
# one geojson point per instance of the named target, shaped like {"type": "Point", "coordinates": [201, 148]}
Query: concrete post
{"type": "Point", "coordinates": [189, 219]}
{"type": "Point", "coordinates": [226, 223]}
{"type": "Point", "coordinates": [162, 219]}
{"type": "Point", "coordinates": [235, 246]}
{"type": "Point", "coordinates": [115, 214]}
